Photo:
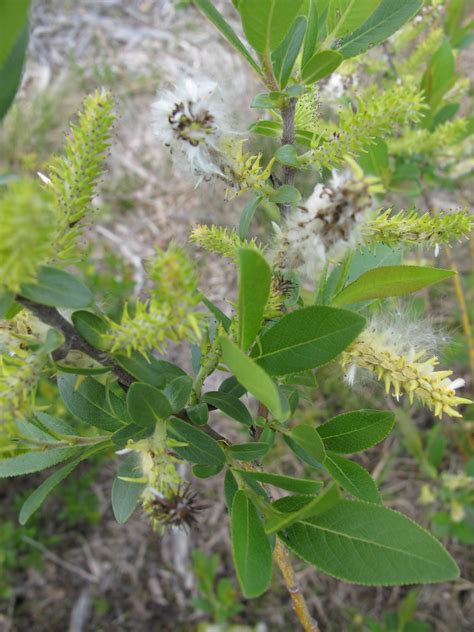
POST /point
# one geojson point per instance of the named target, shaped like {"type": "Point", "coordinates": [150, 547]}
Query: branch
{"type": "Point", "coordinates": [73, 340]}
{"type": "Point", "coordinates": [288, 138]}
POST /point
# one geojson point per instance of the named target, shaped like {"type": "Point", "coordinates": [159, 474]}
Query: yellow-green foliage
{"type": "Point", "coordinates": [375, 116]}
{"type": "Point", "coordinates": [27, 224]}
{"type": "Point", "coordinates": [170, 312]}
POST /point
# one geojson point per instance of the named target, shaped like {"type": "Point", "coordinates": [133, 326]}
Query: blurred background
{"type": "Point", "coordinates": [73, 567]}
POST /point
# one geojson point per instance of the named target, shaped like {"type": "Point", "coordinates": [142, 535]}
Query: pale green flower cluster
{"type": "Point", "coordinates": [168, 315]}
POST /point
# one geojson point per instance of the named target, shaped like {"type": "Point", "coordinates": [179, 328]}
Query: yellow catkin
{"type": "Point", "coordinates": [400, 374]}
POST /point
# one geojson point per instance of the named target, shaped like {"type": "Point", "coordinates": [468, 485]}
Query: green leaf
{"type": "Point", "coordinates": [178, 391]}
{"type": "Point", "coordinates": [232, 386]}
{"type": "Point", "coordinates": [286, 194]}
{"type": "Point", "coordinates": [345, 16]}
{"type": "Point", "coordinates": [247, 216]}
{"type": "Point", "coordinates": [126, 494]}
{"type": "Point", "coordinates": [390, 281]}
{"type": "Point", "coordinates": [57, 288]}
{"type": "Point", "coordinates": [387, 18]}
{"type": "Point", "coordinates": [295, 508]}
{"type": "Point", "coordinates": [230, 405]}
{"type": "Point", "coordinates": [290, 483]}
{"type": "Point", "coordinates": [255, 281]}
{"type": "Point", "coordinates": [201, 448]}
{"type": "Point", "coordinates": [321, 65]}
{"type": "Point", "coordinates": [89, 402]}
{"type": "Point", "coordinates": [287, 155]}
{"type": "Point", "coordinates": [7, 299]}
{"type": "Point", "coordinates": [11, 71]}
{"type": "Point", "coordinates": [209, 10]}
{"type": "Point", "coordinates": [56, 427]}
{"type": "Point", "coordinates": [308, 438]}
{"type": "Point", "coordinates": [132, 432]}
{"type": "Point", "coordinates": [284, 57]}
{"type": "Point", "coordinates": [230, 489]}
{"type": "Point", "coordinates": [147, 405]}
{"type": "Point", "coordinates": [54, 340]}
{"type": "Point", "coordinates": [266, 22]}
{"type": "Point", "coordinates": [266, 128]}
{"type": "Point", "coordinates": [356, 431]}
{"type": "Point", "coordinates": [248, 451]}
{"type": "Point", "coordinates": [37, 498]}
{"type": "Point", "coordinates": [371, 545]}
{"type": "Point", "coordinates": [252, 377]}
{"type": "Point", "coordinates": [251, 548]}
{"type": "Point", "coordinates": [440, 76]}
{"type": "Point", "coordinates": [198, 414]}
{"type": "Point", "coordinates": [352, 477]}
{"type": "Point", "coordinates": [311, 38]}
{"type": "Point", "coordinates": [206, 471]}
{"type": "Point", "coordinates": [157, 373]}
{"type": "Point", "coordinates": [35, 461]}
{"type": "Point", "coordinates": [217, 313]}
{"type": "Point", "coordinates": [91, 327]}
{"type": "Point", "coordinates": [307, 338]}
{"type": "Point", "coordinates": [13, 19]}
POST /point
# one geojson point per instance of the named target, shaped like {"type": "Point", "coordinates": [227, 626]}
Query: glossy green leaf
{"type": "Point", "coordinates": [155, 372]}
{"type": "Point", "coordinates": [206, 471]}
{"type": "Point", "coordinates": [11, 71]}
{"type": "Point", "coordinates": [307, 338]}
{"type": "Point", "coordinates": [287, 155]}
{"type": "Point", "coordinates": [217, 313]}
{"type": "Point", "coordinates": [178, 392]}
{"type": "Point", "coordinates": [308, 438]}
{"type": "Point", "coordinates": [311, 37]}
{"type": "Point", "coordinates": [387, 18]}
{"type": "Point", "coordinates": [198, 414]}
{"type": "Point", "coordinates": [35, 461]}
{"type": "Point", "coordinates": [91, 327]}
{"type": "Point", "coordinates": [247, 216]}
{"type": "Point", "coordinates": [345, 16]}
{"type": "Point", "coordinates": [255, 281]}
{"type": "Point", "coordinates": [13, 19]}
{"type": "Point", "coordinates": [390, 281]}
{"type": "Point", "coordinates": [321, 65]}
{"type": "Point", "coordinates": [126, 493]}
{"type": "Point", "coordinates": [230, 405]}
{"type": "Point", "coordinates": [90, 402]}
{"type": "Point", "coordinates": [356, 431]}
{"type": "Point", "coordinates": [251, 548]}
{"type": "Point", "coordinates": [147, 405]}
{"type": "Point", "coordinates": [266, 22]}
{"type": "Point", "coordinates": [252, 377]}
{"type": "Point", "coordinates": [40, 494]}
{"type": "Point", "coordinates": [200, 448]}
{"type": "Point", "coordinates": [286, 194]}
{"type": "Point", "coordinates": [368, 544]}
{"type": "Point", "coordinates": [284, 57]}
{"type": "Point", "coordinates": [248, 451]}
{"type": "Point", "coordinates": [292, 509]}
{"type": "Point", "coordinates": [57, 288]}
{"type": "Point", "coordinates": [209, 10]}
{"type": "Point", "coordinates": [352, 477]}
{"type": "Point", "coordinates": [290, 483]}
